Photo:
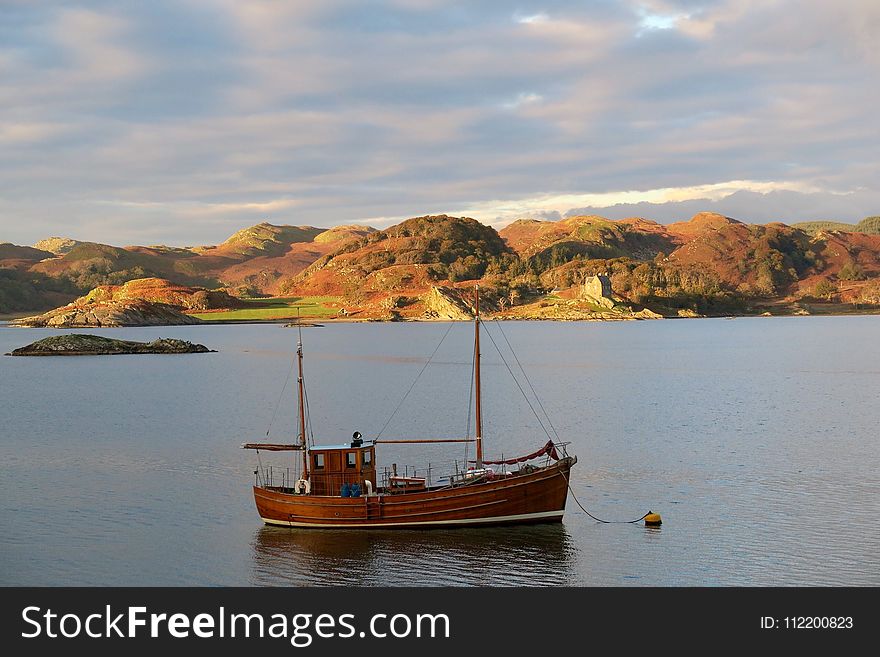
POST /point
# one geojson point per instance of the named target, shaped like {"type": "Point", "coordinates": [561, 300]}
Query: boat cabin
{"type": "Point", "coordinates": [343, 469]}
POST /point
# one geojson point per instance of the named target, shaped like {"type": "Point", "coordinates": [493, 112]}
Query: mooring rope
{"type": "Point", "coordinates": [606, 522]}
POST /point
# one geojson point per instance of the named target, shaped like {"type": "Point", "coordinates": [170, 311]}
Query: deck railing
{"type": "Point", "coordinates": [435, 473]}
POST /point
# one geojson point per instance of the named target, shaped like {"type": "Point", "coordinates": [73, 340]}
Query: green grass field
{"type": "Point", "coordinates": [276, 308]}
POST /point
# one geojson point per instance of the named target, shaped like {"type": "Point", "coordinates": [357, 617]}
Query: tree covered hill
{"type": "Point", "coordinates": [707, 263]}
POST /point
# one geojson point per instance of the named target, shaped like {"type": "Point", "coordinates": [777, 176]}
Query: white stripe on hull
{"type": "Point", "coordinates": [423, 523]}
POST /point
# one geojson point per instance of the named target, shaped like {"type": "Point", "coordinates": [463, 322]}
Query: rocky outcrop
{"type": "Point", "coordinates": [139, 302]}
{"type": "Point", "coordinates": [56, 245]}
{"type": "Point", "coordinates": [109, 314]}
{"type": "Point", "coordinates": [579, 309]}
{"type": "Point", "coordinates": [446, 303]}
{"type": "Point", "coordinates": [79, 344]}
{"type": "Point", "coordinates": [159, 290]}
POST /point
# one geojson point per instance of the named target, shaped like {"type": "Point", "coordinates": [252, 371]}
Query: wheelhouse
{"type": "Point", "coordinates": [343, 469]}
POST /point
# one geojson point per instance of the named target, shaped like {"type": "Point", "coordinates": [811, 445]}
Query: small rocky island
{"type": "Point", "coordinates": [81, 344]}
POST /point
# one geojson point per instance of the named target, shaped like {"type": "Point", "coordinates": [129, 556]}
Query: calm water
{"type": "Point", "coordinates": [756, 439]}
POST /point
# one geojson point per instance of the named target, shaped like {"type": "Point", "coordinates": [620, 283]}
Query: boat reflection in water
{"type": "Point", "coordinates": [539, 555]}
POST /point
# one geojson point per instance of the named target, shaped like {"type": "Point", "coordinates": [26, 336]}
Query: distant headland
{"type": "Point", "coordinates": [425, 268]}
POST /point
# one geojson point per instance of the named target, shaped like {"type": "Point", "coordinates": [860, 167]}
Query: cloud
{"type": "Point", "coordinates": [95, 46]}
{"type": "Point", "coordinates": [194, 209]}
{"type": "Point", "coordinates": [750, 193]}
{"type": "Point", "coordinates": [29, 133]}
{"type": "Point", "coordinates": [523, 99]}
{"type": "Point", "coordinates": [650, 20]}
{"type": "Point", "coordinates": [529, 19]}
{"type": "Point", "coordinates": [786, 206]}
{"type": "Point", "coordinates": [72, 58]}
{"type": "Point", "coordinates": [185, 120]}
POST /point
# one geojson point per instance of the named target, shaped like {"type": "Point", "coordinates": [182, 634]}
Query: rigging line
{"type": "Point", "coordinates": [307, 420]}
{"type": "Point", "coordinates": [413, 384]}
{"type": "Point", "coordinates": [311, 434]}
{"type": "Point", "coordinates": [307, 433]}
{"type": "Point", "coordinates": [278, 403]}
{"type": "Point", "coordinates": [604, 522]}
{"type": "Point", "coordinates": [515, 380]}
{"type": "Point", "coordinates": [467, 431]}
{"type": "Point", "coordinates": [522, 369]}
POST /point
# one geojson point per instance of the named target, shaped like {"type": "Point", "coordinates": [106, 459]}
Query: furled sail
{"type": "Point", "coordinates": [549, 449]}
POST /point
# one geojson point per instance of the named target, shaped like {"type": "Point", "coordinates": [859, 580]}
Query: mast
{"type": "Point", "coordinates": [302, 408]}
{"type": "Point", "coordinates": [478, 405]}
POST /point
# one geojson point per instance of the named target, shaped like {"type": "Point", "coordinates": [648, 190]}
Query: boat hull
{"type": "Point", "coordinates": [536, 497]}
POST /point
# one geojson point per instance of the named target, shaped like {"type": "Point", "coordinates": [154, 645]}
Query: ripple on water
{"type": "Point", "coordinates": [755, 439]}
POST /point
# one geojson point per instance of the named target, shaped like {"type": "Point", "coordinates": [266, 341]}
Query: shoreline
{"type": "Point", "coordinates": [319, 322]}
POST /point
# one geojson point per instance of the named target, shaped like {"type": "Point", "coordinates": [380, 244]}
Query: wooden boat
{"type": "Point", "coordinates": [337, 485]}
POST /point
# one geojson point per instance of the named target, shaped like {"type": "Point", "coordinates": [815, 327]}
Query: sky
{"type": "Point", "coordinates": [182, 122]}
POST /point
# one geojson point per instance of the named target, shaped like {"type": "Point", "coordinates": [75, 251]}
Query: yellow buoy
{"type": "Point", "coordinates": [653, 519]}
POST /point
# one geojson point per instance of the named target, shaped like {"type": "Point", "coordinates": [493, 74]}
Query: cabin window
{"type": "Point", "coordinates": [351, 459]}
{"type": "Point", "coordinates": [319, 461]}
{"type": "Point", "coordinates": [368, 458]}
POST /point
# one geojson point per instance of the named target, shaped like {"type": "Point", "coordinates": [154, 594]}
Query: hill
{"type": "Point", "coordinates": [252, 260]}
{"type": "Point", "coordinates": [157, 290]}
{"type": "Point", "coordinates": [88, 264]}
{"type": "Point", "coordinates": [395, 267]}
{"type": "Point", "coordinates": [425, 266]}
{"type": "Point", "coordinates": [714, 264]}
{"type": "Point", "coordinates": [18, 256]}
{"type": "Point", "coordinates": [262, 274]}
{"type": "Point", "coordinates": [553, 242]}
{"type": "Point", "coordinates": [24, 291]}
{"type": "Point", "coordinates": [430, 248]}
{"type": "Point", "coordinates": [264, 239]}
{"type": "Point", "coordinates": [140, 302]}
{"type": "Point", "coordinates": [756, 260]}
{"type": "Point", "coordinates": [109, 314]}
{"type": "Point", "coordinates": [868, 225]}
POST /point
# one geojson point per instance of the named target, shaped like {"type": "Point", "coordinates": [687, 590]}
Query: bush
{"type": "Point", "coordinates": [25, 291]}
{"type": "Point", "coordinates": [851, 271]}
{"type": "Point", "coordinates": [871, 292]}
{"type": "Point", "coordinates": [825, 289]}
{"type": "Point", "coordinates": [870, 225]}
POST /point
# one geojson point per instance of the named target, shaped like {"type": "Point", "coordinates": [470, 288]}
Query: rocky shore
{"type": "Point", "coordinates": [109, 314]}
{"type": "Point", "coordinates": [80, 344]}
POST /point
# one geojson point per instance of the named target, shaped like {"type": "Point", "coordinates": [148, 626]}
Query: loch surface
{"type": "Point", "coordinates": [756, 439]}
